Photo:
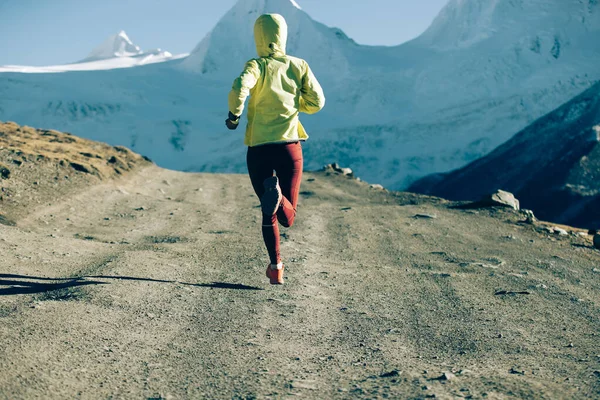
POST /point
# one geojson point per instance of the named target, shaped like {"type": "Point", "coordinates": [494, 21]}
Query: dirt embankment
{"type": "Point", "coordinates": [40, 166]}
{"type": "Point", "coordinates": [152, 285]}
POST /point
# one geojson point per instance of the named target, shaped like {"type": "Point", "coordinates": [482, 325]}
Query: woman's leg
{"type": "Point", "coordinates": [260, 161]}
{"type": "Point", "coordinates": [289, 171]}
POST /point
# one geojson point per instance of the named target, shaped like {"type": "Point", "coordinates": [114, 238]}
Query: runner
{"type": "Point", "coordinates": [280, 87]}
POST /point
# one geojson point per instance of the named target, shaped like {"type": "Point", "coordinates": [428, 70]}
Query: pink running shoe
{"type": "Point", "coordinates": [275, 275]}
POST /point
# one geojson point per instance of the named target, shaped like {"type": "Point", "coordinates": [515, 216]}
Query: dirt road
{"type": "Point", "coordinates": [153, 286]}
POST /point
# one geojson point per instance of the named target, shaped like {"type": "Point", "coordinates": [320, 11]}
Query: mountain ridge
{"type": "Point", "coordinates": [552, 166]}
{"type": "Point", "coordinates": [394, 114]}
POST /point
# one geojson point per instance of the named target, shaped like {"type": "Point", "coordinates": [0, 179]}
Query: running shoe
{"type": "Point", "coordinates": [275, 275]}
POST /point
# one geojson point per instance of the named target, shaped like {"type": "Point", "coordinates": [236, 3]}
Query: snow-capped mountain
{"type": "Point", "coordinates": [552, 166]}
{"type": "Point", "coordinates": [464, 23]}
{"type": "Point", "coordinates": [118, 51]}
{"type": "Point", "coordinates": [118, 45]}
{"type": "Point", "coordinates": [483, 71]}
{"type": "Point", "coordinates": [230, 44]}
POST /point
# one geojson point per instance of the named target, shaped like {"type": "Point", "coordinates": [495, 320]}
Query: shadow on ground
{"type": "Point", "coordinates": [23, 284]}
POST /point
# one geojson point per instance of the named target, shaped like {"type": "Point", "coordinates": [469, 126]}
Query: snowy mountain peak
{"type": "Point", "coordinates": [231, 42]}
{"type": "Point", "coordinates": [118, 45]}
{"type": "Point", "coordinates": [463, 23]}
{"type": "Point", "coordinates": [265, 5]}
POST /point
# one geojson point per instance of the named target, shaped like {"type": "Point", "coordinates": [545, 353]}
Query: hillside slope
{"type": "Point", "coordinates": [552, 166]}
{"type": "Point", "coordinates": [41, 165]}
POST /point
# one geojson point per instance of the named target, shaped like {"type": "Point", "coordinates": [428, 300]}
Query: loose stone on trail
{"type": "Point", "coordinates": [425, 216]}
{"type": "Point", "coordinates": [390, 374]}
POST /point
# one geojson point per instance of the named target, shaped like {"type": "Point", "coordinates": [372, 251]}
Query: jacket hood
{"type": "Point", "coordinates": [270, 35]}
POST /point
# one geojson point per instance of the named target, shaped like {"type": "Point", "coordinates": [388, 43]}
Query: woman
{"type": "Point", "coordinates": [280, 87]}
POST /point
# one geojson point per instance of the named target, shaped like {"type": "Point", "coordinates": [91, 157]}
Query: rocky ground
{"type": "Point", "coordinates": [150, 284]}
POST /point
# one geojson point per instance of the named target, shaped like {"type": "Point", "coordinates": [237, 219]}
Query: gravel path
{"type": "Point", "coordinates": [153, 286]}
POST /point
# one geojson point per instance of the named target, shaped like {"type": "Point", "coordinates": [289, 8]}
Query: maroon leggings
{"type": "Point", "coordinates": [286, 160]}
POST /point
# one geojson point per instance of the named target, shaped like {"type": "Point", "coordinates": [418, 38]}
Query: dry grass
{"type": "Point", "coordinates": [38, 166]}
{"type": "Point", "coordinates": [83, 155]}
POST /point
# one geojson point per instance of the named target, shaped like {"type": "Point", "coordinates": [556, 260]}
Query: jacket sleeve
{"type": "Point", "coordinates": [312, 99]}
{"type": "Point", "coordinates": [240, 89]}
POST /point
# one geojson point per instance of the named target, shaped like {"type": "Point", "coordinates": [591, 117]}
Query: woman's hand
{"type": "Point", "coordinates": [233, 121]}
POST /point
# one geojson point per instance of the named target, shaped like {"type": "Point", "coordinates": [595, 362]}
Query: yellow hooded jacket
{"type": "Point", "coordinates": [280, 87]}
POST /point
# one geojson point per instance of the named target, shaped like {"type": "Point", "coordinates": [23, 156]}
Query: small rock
{"type": "Point", "coordinates": [390, 374]}
{"type": "Point", "coordinates": [582, 234]}
{"type": "Point", "coordinates": [425, 216]}
{"type": "Point", "coordinates": [151, 316]}
{"type": "Point", "coordinates": [4, 171]}
{"type": "Point", "coordinates": [446, 376]}
{"type": "Point", "coordinates": [529, 216]}
{"type": "Point", "coordinates": [377, 186]}
{"type": "Point", "coordinates": [570, 345]}
{"type": "Point", "coordinates": [107, 218]}
{"type": "Point", "coordinates": [80, 167]}
{"type": "Point", "coordinates": [559, 231]}
{"type": "Point", "coordinates": [516, 371]}
{"type": "Point", "coordinates": [142, 208]}
{"type": "Point", "coordinates": [596, 270]}
{"type": "Point", "coordinates": [597, 241]}
{"type": "Point", "coordinates": [336, 167]}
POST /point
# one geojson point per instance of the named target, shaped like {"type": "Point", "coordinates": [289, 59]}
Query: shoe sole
{"type": "Point", "coordinates": [270, 200]}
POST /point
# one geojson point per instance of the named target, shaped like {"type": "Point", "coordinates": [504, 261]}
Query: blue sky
{"type": "Point", "coordinates": [45, 32]}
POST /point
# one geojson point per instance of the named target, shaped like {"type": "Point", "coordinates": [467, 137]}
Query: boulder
{"type": "Point", "coordinates": [502, 199]}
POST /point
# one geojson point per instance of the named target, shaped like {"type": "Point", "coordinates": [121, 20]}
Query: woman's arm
{"type": "Point", "coordinates": [241, 87]}
{"type": "Point", "coordinates": [312, 99]}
